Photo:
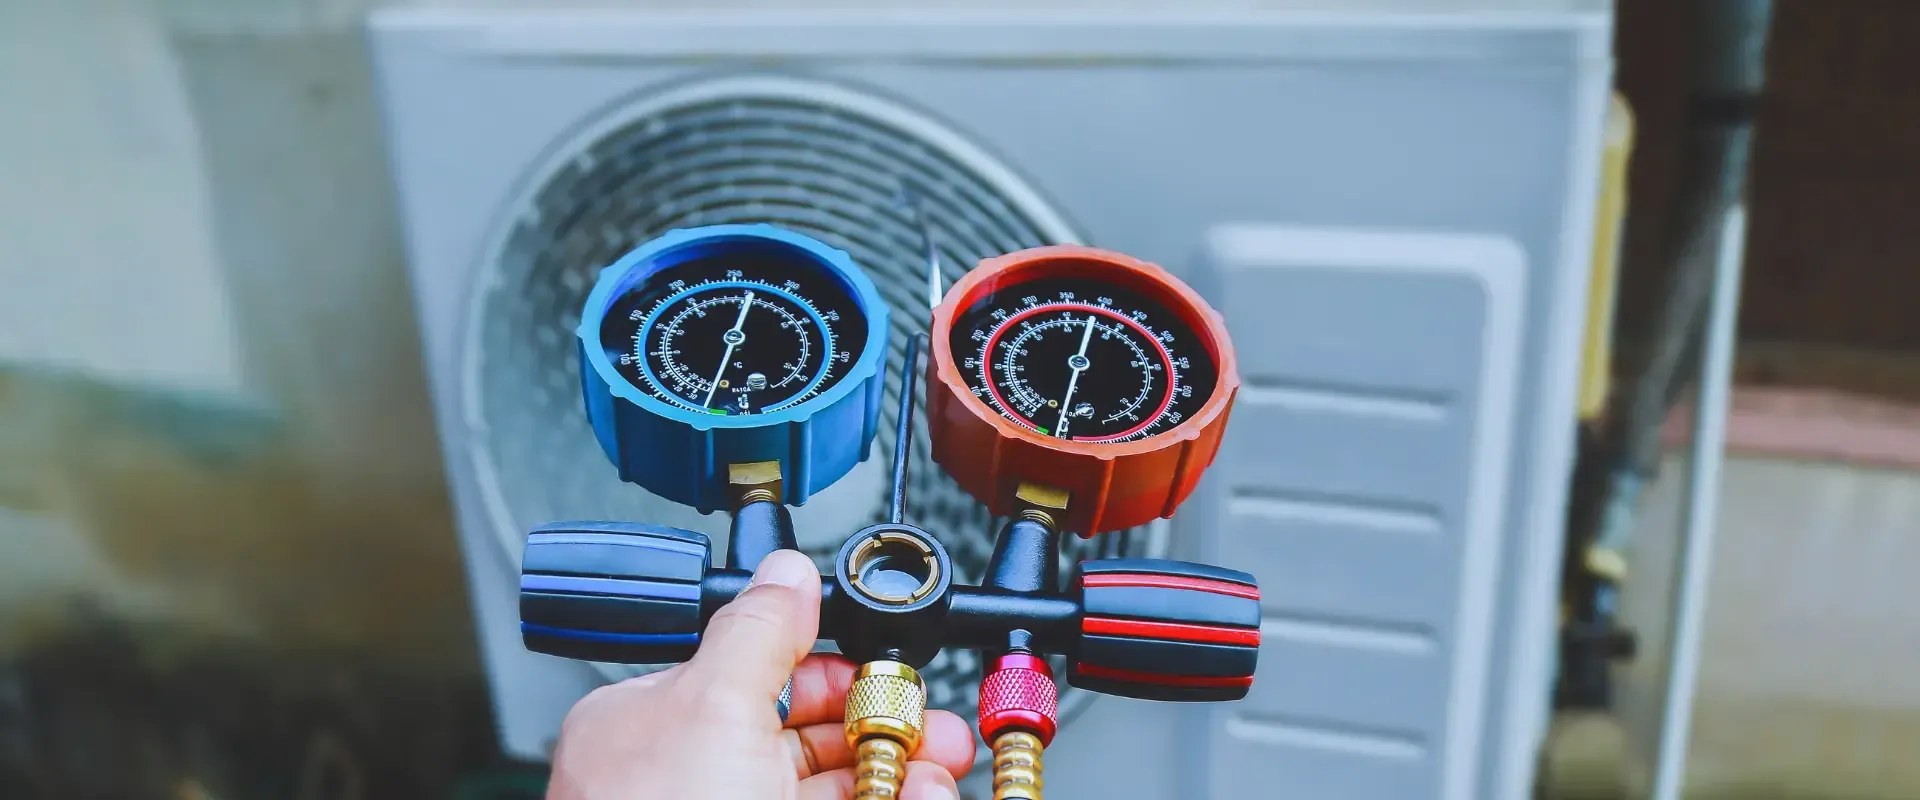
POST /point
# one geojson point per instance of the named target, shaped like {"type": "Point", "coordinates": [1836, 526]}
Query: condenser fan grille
{"type": "Point", "coordinates": [811, 157]}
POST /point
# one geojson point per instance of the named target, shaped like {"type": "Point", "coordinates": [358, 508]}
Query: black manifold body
{"type": "Point", "coordinates": [1147, 628]}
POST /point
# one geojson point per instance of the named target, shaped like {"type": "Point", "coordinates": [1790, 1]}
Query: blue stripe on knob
{"type": "Point", "coordinates": [648, 639]}
{"type": "Point", "coordinates": [617, 540]}
{"type": "Point", "coordinates": [625, 588]}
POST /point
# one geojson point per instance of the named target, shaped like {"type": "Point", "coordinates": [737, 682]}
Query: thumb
{"type": "Point", "coordinates": [752, 643]}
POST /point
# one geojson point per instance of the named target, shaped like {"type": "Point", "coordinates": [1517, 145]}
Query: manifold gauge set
{"type": "Point", "coordinates": [1072, 390]}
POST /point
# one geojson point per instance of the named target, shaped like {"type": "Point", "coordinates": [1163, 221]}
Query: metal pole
{"type": "Point", "coordinates": [1703, 507]}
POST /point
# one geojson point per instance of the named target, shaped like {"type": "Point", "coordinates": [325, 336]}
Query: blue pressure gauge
{"type": "Point", "coordinates": [730, 344]}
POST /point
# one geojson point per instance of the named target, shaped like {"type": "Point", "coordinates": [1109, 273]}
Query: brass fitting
{"type": "Point", "coordinates": [886, 708]}
{"type": "Point", "coordinates": [1040, 503]}
{"type": "Point", "coordinates": [1017, 766]}
{"type": "Point", "coordinates": [1606, 564]}
{"type": "Point", "coordinates": [894, 552]}
{"type": "Point", "coordinates": [753, 482]}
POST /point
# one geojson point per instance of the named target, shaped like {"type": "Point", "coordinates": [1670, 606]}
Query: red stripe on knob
{"type": "Point", "coordinates": [1150, 581]}
{"type": "Point", "coordinates": [1195, 681]}
{"type": "Point", "coordinates": [1180, 631]}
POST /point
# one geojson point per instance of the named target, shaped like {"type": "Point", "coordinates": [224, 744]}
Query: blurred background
{"type": "Point", "coordinates": [229, 565]}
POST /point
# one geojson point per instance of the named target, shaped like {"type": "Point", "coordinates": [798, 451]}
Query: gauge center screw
{"type": "Point", "coordinates": [733, 337]}
{"type": "Point", "coordinates": [1078, 361]}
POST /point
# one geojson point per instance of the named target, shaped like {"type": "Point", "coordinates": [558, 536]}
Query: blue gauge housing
{"type": "Point", "coordinates": [679, 449]}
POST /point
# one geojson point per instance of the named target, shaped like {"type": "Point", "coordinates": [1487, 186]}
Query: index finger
{"type": "Point", "coordinates": [820, 684]}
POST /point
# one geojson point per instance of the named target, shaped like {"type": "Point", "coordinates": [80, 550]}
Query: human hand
{"type": "Point", "coordinates": [708, 728]}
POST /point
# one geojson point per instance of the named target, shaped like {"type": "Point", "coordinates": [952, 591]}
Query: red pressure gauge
{"type": "Point", "coordinates": [1079, 369]}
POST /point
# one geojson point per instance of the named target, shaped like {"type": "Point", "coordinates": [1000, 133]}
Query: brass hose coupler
{"type": "Point", "coordinates": [886, 708]}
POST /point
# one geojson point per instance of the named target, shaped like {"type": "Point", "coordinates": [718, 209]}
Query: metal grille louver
{"type": "Point", "coordinates": [812, 157]}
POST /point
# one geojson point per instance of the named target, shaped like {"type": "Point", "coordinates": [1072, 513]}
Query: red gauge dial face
{"type": "Point", "coordinates": [1079, 360]}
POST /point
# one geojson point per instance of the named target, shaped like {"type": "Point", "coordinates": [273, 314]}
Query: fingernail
{"type": "Point", "coordinates": [938, 791]}
{"type": "Point", "coordinates": [783, 568]}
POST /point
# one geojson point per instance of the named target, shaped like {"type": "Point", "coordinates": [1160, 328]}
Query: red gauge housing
{"type": "Point", "coordinates": [1112, 484]}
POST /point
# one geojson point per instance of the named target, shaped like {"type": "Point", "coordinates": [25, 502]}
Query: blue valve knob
{"type": "Point", "coordinates": [732, 344]}
{"type": "Point", "coordinates": [614, 592]}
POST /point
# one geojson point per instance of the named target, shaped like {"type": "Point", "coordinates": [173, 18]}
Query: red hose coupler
{"type": "Point", "coordinates": [1018, 693]}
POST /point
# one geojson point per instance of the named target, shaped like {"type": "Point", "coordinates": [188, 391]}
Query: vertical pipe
{"type": "Point", "coordinates": [1725, 78]}
{"type": "Point", "coordinates": [1728, 73]}
{"type": "Point", "coordinates": [1703, 506]}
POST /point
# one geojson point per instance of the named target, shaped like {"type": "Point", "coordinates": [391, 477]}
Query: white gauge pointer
{"type": "Point", "coordinates": [733, 337]}
{"type": "Point", "coordinates": [1078, 362]}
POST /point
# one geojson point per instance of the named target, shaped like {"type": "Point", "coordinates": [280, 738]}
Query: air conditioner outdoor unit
{"type": "Point", "coordinates": [1390, 202]}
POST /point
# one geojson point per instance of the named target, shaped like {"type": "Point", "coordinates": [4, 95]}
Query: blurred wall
{"type": "Point", "coordinates": [226, 562]}
{"type": "Point", "coordinates": [1837, 163]}
{"type": "Point", "coordinates": [1835, 172]}
{"type": "Point", "coordinates": [105, 210]}
{"type": "Point", "coordinates": [208, 369]}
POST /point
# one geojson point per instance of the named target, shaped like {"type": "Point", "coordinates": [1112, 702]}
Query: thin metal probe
{"type": "Point", "coordinates": [903, 436]}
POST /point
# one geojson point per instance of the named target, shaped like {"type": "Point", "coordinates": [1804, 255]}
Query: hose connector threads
{"type": "Point", "coordinates": [1017, 766]}
{"type": "Point", "coordinates": [886, 711]}
{"type": "Point", "coordinates": [880, 767]}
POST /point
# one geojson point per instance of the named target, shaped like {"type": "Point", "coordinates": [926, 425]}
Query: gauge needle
{"type": "Point", "coordinates": [733, 337]}
{"type": "Point", "coordinates": [1079, 364]}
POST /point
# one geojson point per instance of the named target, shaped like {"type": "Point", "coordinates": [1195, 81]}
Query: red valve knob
{"type": "Point", "coordinates": [1166, 630]}
{"type": "Point", "coordinates": [1018, 694]}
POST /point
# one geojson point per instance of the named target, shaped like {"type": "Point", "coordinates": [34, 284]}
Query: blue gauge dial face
{"type": "Point", "coordinates": [735, 334]}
